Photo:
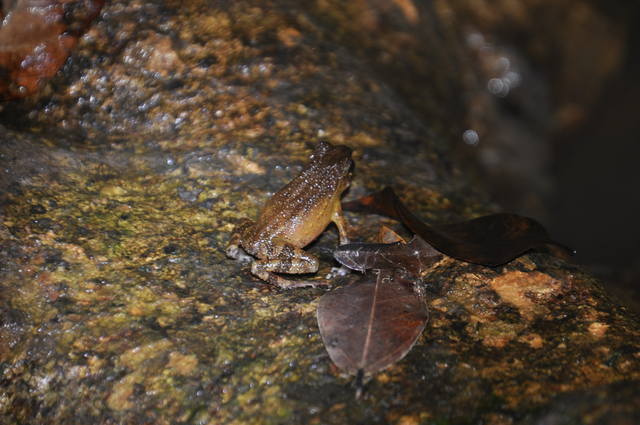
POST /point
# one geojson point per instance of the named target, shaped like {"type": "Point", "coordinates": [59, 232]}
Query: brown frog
{"type": "Point", "coordinates": [295, 216]}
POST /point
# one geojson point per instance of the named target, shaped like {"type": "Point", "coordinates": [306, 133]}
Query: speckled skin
{"type": "Point", "coordinates": [295, 216]}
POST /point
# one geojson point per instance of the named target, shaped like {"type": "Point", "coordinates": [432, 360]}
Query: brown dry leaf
{"type": "Point", "coordinates": [490, 240]}
{"type": "Point", "coordinates": [414, 257]}
{"type": "Point", "coordinates": [370, 324]}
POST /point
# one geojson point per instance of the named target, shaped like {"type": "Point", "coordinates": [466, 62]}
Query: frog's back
{"type": "Point", "coordinates": [301, 210]}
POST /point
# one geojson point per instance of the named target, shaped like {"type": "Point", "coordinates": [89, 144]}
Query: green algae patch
{"type": "Point", "coordinates": [135, 356]}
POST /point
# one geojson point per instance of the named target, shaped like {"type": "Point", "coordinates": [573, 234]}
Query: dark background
{"type": "Point", "coordinates": [592, 201]}
{"type": "Point", "coordinates": [596, 205]}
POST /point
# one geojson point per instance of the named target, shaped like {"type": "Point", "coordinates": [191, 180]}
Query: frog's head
{"type": "Point", "coordinates": [335, 161]}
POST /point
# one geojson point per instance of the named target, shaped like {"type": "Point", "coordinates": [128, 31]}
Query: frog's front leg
{"type": "Point", "coordinates": [288, 259]}
{"type": "Point", "coordinates": [235, 242]}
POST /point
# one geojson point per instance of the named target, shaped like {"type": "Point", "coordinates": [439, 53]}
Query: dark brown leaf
{"type": "Point", "coordinates": [414, 257]}
{"type": "Point", "coordinates": [489, 240]}
{"type": "Point", "coordinates": [370, 324]}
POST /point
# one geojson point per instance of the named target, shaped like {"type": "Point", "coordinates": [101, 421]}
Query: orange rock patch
{"type": "Point", "coordinates": [526, 291]}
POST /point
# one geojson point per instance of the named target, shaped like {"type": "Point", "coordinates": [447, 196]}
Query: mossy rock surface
{"type": "Point", "coordinates": [120, 186]}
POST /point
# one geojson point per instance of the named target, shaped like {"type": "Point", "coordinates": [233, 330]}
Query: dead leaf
{"type": "Point", "coordinates": [388, 235]}
{"type": "Point", "coordinates": [490, 240]}
{"type": "Point", "coordinates": [370, 324]}
{"type": "Point", "coordinates": [414, 257]}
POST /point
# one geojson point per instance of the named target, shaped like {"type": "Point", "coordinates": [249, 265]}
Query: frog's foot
{"type": "Point", "coordinates": [234, 249]}
{"type": "Point", "coordinates": [237, 253]}
{"type": "Point", "coordinates": [283, 283]}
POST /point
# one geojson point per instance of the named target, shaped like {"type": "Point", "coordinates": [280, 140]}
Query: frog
{"type": "Point", "coordinates": [294, 217]}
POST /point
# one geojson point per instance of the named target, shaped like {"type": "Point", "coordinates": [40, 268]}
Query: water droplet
{"type": "Point", "coordinates": [470, 137]}
{"type": "Point", "coordinates": [498, 87]}
{"type": "Point", "coordinates": [475, 40]}
{"type": "Point", "coordinates": [513, 78]}
{"type": "Point", "coordinates": [503, 63]}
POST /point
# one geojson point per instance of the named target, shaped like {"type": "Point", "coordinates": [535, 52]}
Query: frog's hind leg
{"type": "Point", "coordinates": [289, 259]}
{"type": "Point", "coordinates": [341, 224]}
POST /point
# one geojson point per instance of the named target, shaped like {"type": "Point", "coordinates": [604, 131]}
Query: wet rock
{"type": "Point", "coordinates": [36, 37]}
{"type": "Point", "coordinates": [605, 405]}
{"type": "Point", "coordinates": [118, 303]}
